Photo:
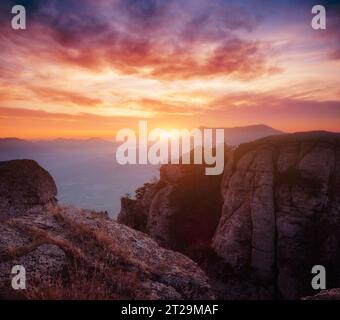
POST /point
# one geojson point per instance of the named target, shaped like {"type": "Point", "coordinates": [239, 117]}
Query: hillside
{"type": "Point", "coordinates": [72, 253]}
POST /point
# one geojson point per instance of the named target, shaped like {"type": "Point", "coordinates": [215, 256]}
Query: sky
{"type": "Point", "coordinates": [89, 68]}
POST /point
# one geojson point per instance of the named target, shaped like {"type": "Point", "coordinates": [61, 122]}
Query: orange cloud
{"type": "Point", "coordinates": [62, 96]}
{"type": "Point", "coordinates": [184, 63]}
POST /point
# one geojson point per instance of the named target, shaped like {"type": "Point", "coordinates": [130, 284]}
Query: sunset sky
{"type": "Point", "coordinates": [88, 68]}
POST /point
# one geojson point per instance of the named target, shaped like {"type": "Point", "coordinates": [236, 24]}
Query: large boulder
{"type": "Point", "coordinates": [23, 185]}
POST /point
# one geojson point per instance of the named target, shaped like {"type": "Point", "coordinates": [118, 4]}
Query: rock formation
{"type": "Point", "coordinates": [180, 211]}
{"type": "Point", "coordinates": [24, 184]}
{"type": "Point", "coordinates": [76, 253]}
{"type": "Point", "coordinates": [279, 215]}
{"type": "Point", "coordinates": [281, 211]}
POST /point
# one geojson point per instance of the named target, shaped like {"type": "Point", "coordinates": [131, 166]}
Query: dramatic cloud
{"type": "Point", "coordinates": [162, 39]}
{"type": "Point", "coordinates": [87, 67]}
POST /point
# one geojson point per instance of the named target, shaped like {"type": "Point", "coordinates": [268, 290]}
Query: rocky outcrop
{"type": "Point", "coordinates": [134, 213]}
{"type": "Point", "coordinates": [281, 211]}
{"type": "Point", "coordinates": [180, 211]}
{"type": "Point", "coordinates": [24, 184]}
{"type": "Point", "coordinates": [80, 254]}
{"type": "Point", "coordinates": [278, 217]}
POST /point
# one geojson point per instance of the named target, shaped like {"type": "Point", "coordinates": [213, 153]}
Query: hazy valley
{"type": "Point", "coordinates": [86, 172]}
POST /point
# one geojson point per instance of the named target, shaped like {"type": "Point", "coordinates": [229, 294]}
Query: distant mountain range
{"type": "Point", "coordinates": [238, 135]}
{"type": "Point", "coordinates": [19, 146]}
{"type": "Point", "coordinates": [233, 136]}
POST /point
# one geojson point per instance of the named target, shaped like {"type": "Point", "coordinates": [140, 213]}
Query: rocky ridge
{"type": "Point", "coordinates": [80, 254]}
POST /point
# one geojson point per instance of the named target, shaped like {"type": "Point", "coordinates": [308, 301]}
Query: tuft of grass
{"type": "Point", "coordinates": [96, 266]}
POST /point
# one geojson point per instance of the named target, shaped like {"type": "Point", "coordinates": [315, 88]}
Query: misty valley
{"type": "Point", "coordinates": [86, 172]}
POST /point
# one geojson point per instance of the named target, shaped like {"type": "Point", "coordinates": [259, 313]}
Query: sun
{"type": "Point", "coordinates": [167, 135]}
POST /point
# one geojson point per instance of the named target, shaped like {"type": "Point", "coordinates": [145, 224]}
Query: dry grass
{"type": "Point", "coordinates": [97, 268]}
{"type": "Point", "coordinates": [82, 286]}
{"type": "Point", "coordinates": [101, 238]}
{"type": "Point", "coordinates": [17, 252]}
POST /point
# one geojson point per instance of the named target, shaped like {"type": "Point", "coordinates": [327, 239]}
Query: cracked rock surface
{"type": "Point", "coordinates": [281, 211]}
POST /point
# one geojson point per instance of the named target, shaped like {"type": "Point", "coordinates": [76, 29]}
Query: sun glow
{"type": "Point", "coordinates": [166, 135]}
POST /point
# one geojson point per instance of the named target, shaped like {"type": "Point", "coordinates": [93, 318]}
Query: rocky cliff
{"type": "Point", "coordinates": [180, 211]}
{"type": "Point", "coordinates": [272, 216]}
{"type": "Point", "coordinates": [80, 254]}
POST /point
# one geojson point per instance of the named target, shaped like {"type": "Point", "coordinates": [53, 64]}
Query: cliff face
{"type": "Point", "coordinates": [281, 211]}
{"type": "Point", "coordinates": [278, 217]}
{"type": "Point", "coordinates": [80, 254]}
{"type": "Point", "coordinates": [180, 211]}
